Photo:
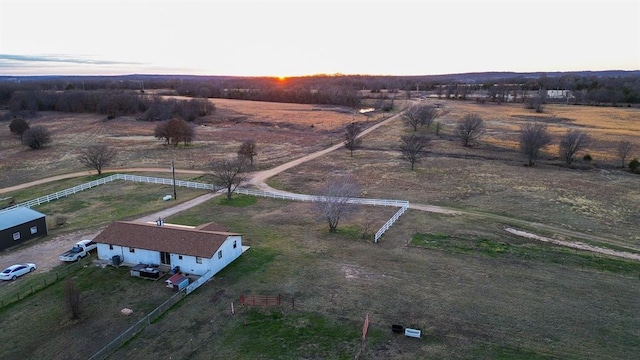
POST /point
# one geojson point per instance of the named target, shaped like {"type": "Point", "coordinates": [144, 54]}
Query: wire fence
{"type": "Point", "coordinates": [25, 287]}
{"type": "Point", "coordinates": [201, 280]}
{"type": "Point", "coordinates": [111, 347]}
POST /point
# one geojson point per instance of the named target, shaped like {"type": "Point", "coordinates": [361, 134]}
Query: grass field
{"type": "Point", "coordinates": [475, 291]}
{"type": "Point", "coordinates": [536, 302]}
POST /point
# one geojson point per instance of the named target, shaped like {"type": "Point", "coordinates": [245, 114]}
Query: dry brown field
{"type": "Point", "coordinates": [596, 198]}
{"type": "Point", "coordinates": [282, 132]}
{"type": "Point", "coordinates": [607, 126]}
{"type": "Point", "coordinates": [469, 305]}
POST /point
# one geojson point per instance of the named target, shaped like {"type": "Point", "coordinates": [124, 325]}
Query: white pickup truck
{"type": "Point", "coordinates": [78, 251]}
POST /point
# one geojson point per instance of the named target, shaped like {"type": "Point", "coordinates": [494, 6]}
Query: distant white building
{"type": "Point", "coordinates": [558, 94]}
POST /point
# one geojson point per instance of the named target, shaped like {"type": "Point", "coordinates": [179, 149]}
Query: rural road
{"type": "Point", "coordinates": [45, 254]}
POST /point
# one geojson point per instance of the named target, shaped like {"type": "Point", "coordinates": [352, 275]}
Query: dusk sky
{"type": "Point", "coordinates": [306, 37]}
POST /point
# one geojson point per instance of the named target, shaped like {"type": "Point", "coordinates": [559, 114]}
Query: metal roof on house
{"type": "Point", "coordinates": [18, 216]}
{"type": "Point", "coordinates": [174, 240]}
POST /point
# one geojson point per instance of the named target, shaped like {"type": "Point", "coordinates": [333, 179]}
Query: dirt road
{"type": "Point", "coordinates": [45, 254]}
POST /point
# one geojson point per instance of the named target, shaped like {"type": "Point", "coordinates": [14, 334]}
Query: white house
{"type": "Point", "coordinates": [194, 250]}
{"type": "Point", "coordinates": [558, 94]}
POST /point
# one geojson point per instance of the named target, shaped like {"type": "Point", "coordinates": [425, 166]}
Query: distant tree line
{"type": "Point", "coordinates": [111, 103]}
{"type": "Point", "coordinates": [589, 88]}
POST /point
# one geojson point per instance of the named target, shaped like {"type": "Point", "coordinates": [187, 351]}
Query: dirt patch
{"type": "Point", "coordinates": [575, 245]}
{"type": "Point", "coordinates": [44, 253]}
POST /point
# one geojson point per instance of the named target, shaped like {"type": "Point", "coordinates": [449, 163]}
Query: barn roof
{"type": "Point", "coordinates": [166, 238]}
{"type": "Point", "coordinates": [18, 216]}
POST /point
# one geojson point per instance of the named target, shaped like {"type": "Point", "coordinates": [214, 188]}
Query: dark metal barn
{"type": "Point", "coordinates": [19, 225]}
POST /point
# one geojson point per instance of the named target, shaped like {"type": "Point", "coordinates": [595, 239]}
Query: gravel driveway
{"type": "Point", "coordinates": [45, 254]}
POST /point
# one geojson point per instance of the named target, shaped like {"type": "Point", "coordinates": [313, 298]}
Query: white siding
{"type": "Point", "coordinates": [229, 253]}
{"type": "Point", "coordinates": [139, 256]}
{"type": "Point", "coordinates": [187, 264]}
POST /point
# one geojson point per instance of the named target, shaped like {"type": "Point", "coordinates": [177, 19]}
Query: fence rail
{"type": "Point", "coordinates": [23, 289]}
{"type": "Point", "coordinates": [201, 280]}
{"type": "Point", "coordinates": [390, 222]}
{"type": "Point", "coordinates": [260, 300]}
{"type": "Point", "coordinates": [111, 347]}
{"type": "Point", "coordinates": [317, 198]}
{"type": "Point", "coordinates": [402, 204]}
{"type": "Point", "coordinates": [108, 179]}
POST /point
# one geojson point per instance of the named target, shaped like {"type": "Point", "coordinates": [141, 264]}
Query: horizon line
{"type": "Point", "coordinates": [337, 74]}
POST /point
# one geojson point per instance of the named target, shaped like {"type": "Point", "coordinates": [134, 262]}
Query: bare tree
{"type": "Point", "coordinates": [18, 126]}
{"type": "Point", "coordinates": [572, 142]}
{"type": "Point", "coordinates": [97, 156]}
{"type": "Point", "coordinates": [248, 150]}
{"type": "Point", "coordinates": [333, 201]}
{"type": "Point", "coordinates": [420, 115]}
{"type": "Point", "coordinates": [162, 133]}
{"type": "Point", "coordinates": [533, 137]}
{"type": "Point", "coordinates": [352, 141]}
{"type": "Point", "coordinates": [411, 117]}
{"type": "Point", "coordinates": [73, 298]}
{"type": "Point", "coordinates": [536, 102]}
{"type": "Point", "coordinates": [413, 147]}
{"type": "Point", "coordinates": [229, 173]}
{"type": "Point", "coordinates": [624, 149]}
{"type": "Point", "coordinates": [36, 137]}
{"type": "Point", "coordinates": [470, 129]}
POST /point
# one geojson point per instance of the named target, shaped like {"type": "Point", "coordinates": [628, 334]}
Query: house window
{"type": "Point", "coordinates": [132, 250]}
{"type": "Point", "coordinates": [34, 230]}
{"type": "Point", "coordinates": [110, 247]}
{"type": "Point", "coordinates": [179, 257]}
{"type": "Point", "coordinates": [16, 236]}
{"type": "Point", "coordinates": [234, 244]}
{"type": "Point", "coordinates": [198, 260]}
{"type": "Point", "coordinates": [220, 254]}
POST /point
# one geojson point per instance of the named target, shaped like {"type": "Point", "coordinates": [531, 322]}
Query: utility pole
{"type": "Point", "coordinates": [173, 172]}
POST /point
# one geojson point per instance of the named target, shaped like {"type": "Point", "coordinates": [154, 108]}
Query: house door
{"type": "Point", "coordinates": [165, 258]}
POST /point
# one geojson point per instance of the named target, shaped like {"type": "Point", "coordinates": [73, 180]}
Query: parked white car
{"type": "Point", "coordinates": [13, 271]}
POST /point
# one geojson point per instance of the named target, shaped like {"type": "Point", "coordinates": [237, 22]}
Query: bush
{"type": "Point", "coordinates": [61, 220]}
{"type": "Point", "coordinates": [587, 158]}
{"type": "Point", "coordinates": [18, 126]}
{"type": "Point", "coordinates": [634, 165]}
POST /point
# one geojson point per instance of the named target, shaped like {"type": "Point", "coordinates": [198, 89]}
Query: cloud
{"type": "Point", "coordinates": [11, 60]}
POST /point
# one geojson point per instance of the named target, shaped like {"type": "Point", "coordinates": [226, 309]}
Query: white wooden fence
{"type": "Point", "coordinates": [108, 179]}
{"type": "Point", "coordinates": [403, 205]}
